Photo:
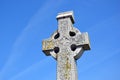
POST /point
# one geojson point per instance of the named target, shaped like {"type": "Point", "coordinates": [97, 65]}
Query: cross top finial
{"type": "Point", "coordinates": [66, 14]}
{"type": "Point", "coordinates": [66, 45]}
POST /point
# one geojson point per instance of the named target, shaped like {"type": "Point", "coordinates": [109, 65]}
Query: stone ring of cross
{"type": "Point", "coordinates": [67, 39]}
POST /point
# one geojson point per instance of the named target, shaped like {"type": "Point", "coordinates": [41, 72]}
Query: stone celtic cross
{"type": "Point", "coordinates": [66, 45]}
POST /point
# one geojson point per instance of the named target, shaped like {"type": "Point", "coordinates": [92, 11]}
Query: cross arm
{"type": "Point", "coordinates": [83, 41]}
{"type": "Point", "coordinates": [47, 46]}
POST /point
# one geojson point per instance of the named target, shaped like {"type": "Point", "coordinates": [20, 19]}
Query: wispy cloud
{"type": "Point", "coordinates": [100, 53]}
{"type": "Point", "coordinates": [38, 65]}
{"type": "Point", "coordinates": [38, 18]}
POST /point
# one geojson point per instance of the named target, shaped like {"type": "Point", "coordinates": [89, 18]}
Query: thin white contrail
{"type": "Point", "coordinates": [33, 21]}
{"type": "Point", "coordinates": [37, 65]}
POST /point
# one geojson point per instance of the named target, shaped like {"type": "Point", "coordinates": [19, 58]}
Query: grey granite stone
{"type": "Point", "coordinates": [66, 45]}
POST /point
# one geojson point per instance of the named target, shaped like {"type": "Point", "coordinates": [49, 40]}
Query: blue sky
{"type": "Point", "coordinates": [25, 23]}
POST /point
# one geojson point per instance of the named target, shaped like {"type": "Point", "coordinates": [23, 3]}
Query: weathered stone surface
{"type": "Point", "coordinates": [66, 45]}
